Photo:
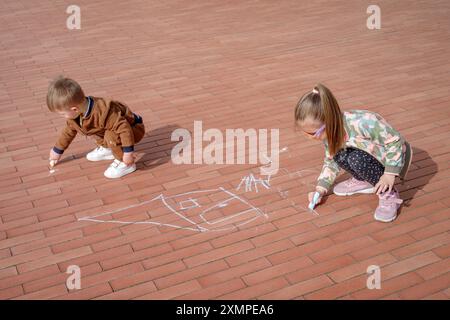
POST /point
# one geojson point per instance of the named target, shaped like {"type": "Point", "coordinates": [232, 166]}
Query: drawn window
{"type": "Point", "coordinates": [189, 204]}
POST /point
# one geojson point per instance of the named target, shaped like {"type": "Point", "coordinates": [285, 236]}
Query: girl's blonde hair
{"type": "Point", "coordinates": [64, 93]}
{"type": "Point", "coordinates": [320, 104]}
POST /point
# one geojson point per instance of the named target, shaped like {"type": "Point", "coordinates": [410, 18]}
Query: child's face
{"type": "Point", "coordinates": [72, 113]}
{"type": "Point", "coordinates": [310, 126]}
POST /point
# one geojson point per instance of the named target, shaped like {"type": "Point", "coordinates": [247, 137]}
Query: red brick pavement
{"type": "Point", "coordinates": [231, 65]}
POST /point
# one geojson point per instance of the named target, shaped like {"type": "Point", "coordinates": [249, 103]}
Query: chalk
{"type": "Point", "coordinates": [313, 203]}
{"type": "Point", "coordinates": [51, 166]}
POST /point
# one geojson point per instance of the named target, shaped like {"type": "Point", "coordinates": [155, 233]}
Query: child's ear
{"type": "Point", "coordinates": [75, 108]}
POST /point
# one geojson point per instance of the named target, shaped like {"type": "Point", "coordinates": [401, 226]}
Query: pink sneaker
{"type": "Point", "coordinates": [388, 206]}
{"type": "Point", "coordinates": [352, 186]}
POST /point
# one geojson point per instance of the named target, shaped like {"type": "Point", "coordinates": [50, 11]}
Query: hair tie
{"type": "Point", "coordinates": [314, 90]}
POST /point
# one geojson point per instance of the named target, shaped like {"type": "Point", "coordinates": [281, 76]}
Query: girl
{"type": "Point", "coordinates": [359, 141]}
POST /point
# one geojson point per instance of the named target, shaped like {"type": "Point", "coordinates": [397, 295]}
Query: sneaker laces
{"type": "Point", "coordinates": [352, 181]}
{"type": "Point", "coordinates": [389, 199]}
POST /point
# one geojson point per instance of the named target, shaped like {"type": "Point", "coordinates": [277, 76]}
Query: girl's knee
{"type": "Point", "coordinates": [355, 160]}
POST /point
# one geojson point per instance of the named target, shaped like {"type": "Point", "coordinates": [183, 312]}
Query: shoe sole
{"type": "Point", "coordinates": [387, 220]}
{"type": "Point", "coordinates": [365, 191]}
{"type": "Point", "coordinates": [127, 172]}
{"type": "Point", "coordinates": [105, 158]}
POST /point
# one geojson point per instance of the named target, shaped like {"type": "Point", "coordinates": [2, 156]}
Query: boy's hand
{"type": "Point", "coordinates": [311, 195]}
{"type": "Point", "coordinates": [53, 158]}
{"type": "Point", "coordinates": [128, 158]}
{"type": "Point", "coordinates": [386, 183]}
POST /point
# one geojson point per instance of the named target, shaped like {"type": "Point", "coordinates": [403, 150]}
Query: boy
{"type": "Point", "coordinates": [113, 125]}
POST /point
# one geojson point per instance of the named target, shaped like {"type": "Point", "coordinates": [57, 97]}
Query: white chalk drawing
{"type": "Point", "coordinates": [283, 194]}
{"type": "Point", "coordinates": [250, 181]}
{"type": "Point", "coordinates": [192, 204]}
{"type": "Point", "coordinates": [201, 214]}
{"type": "Point", "coordinates": [209, 210]}
{"type": "Point", "coordinates": [297, 176]}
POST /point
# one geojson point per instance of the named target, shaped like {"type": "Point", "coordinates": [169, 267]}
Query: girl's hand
{"type": "Point", "coordinates": [311, 195]}
{"type": "Point", "coordinates": [386, 183]}
{"type": "Point", "coordinates": [128, 158]}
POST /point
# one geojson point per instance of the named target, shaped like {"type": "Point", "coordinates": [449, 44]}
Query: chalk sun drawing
{"type": "Point", "coordinates": [251, 182]}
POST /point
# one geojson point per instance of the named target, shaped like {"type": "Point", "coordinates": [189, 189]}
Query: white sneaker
{"type": "Point", "coordinates": [100, 153]}
{"type": "Point", "coordinates": [119, 169]}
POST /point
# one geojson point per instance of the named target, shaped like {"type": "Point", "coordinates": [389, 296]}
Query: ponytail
{"type": "Point", "coordinates": [320, 104]}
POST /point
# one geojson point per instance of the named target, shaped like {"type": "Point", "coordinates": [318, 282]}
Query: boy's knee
{"type": "Point", "coordinates": [111, 139]}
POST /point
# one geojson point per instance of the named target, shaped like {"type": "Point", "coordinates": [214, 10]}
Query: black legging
{"type": "Point", "coordinates": [360, 164]}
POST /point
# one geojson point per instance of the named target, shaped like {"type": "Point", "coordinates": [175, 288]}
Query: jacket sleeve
{"type": "Point", "coordinates": [65, 138]}
{"type": "Point", "coordinates": [329, 171]}
{"type": "Point", "coordinates": [381, 133]}
{"type": "Point", "coordinates": [118, 124]}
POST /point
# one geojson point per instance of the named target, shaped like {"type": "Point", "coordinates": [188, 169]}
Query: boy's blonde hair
{"type": "Point", "coordinates": [320, 104]}
{"type": "Point", "coordinates": [64, 93]}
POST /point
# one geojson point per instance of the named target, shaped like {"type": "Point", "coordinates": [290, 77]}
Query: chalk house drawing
{"type": "Point", "coordinates": [196, 211]}
{"type": "Point", "coordinates": [192, 210]}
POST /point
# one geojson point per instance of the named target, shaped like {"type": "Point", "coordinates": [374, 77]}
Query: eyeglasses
{"type": "Point", "coordinates": [316, 133]}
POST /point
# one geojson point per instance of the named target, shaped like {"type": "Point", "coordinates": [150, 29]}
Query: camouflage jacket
{"type": "Point", "coordinates": [368, 131]}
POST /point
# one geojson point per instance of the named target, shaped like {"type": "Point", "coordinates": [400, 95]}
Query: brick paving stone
{"type": "Point", "coordinates": [231, 65]}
